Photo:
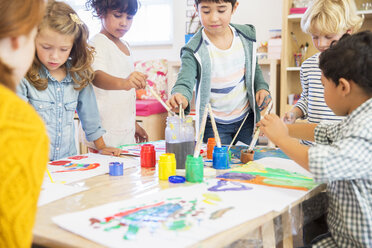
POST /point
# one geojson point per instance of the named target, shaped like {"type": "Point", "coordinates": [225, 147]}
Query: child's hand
{"type": "Point", "coordinates": [273, 128]}
{"type": "Point", "coordinates": [141, 135]}
{"type": "Point", "coordinates": [263, 98]}
{"type": "Point", "coordinates": [136, 80]}
{"type": "Point", "coordinates": [289, 117]}
{"type": "Point", "coordinates": [112, 151]}
{"type": "Point", "coordinates": [176, 100]}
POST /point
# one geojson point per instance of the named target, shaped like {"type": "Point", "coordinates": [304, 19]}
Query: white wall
{"type": "Point", "coordinates": [263, 14]}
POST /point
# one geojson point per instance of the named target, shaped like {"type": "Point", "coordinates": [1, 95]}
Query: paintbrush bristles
{"type": "Point", "coordinates": [201, 133]}
{"type": "Point", "coordinates": [214, 126]}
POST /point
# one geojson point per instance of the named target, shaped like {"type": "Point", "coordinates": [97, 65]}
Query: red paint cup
{"type": "Point", "coordinates": [148, 157]}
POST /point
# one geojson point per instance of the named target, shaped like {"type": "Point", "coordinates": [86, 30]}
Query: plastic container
{"type": "Point", "coordinates": [246, 156]}
{"type": "Point", "coordinates": [179, 138]}
{"type": "Point", "coordinates": [210, 146]}
{"type": "Point", "coordinates": [194, 169]}
{"type": "Point", "coordinates": [148, 156]}
{"type": "Point", "coordinates": [116, 169]}
{"type": "Point", "coordinates": [220, 158]}
{"type": "Point", "coordinates": [167, 166]}
{"type": "Point", "coordinates": [275, 33]}
{"type": "Point", "coordinates": [297, 59]}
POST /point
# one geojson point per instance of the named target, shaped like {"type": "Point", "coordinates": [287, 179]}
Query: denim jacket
{"type": "Point", "coordinates": [56, 105]}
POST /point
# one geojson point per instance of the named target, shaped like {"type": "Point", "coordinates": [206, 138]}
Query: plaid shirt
{"type": "Point", "coordinates": [342, 157]}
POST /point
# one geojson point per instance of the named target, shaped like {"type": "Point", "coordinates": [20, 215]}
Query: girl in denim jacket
{"type": "Point", "coordinates": [58, 82]}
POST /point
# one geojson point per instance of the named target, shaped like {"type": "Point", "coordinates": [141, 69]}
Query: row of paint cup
{"type": "Point", "coordinates": [167, 164]}
{"type": "Point", "coordinates": [194, 166]}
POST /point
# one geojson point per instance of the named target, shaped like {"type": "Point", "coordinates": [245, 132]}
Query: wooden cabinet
{"type": "Point", "coordinates": [290, 74]}
{"type": "Point", "coordinates": [154, 125]}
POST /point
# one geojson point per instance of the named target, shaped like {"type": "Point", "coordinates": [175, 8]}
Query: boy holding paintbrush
{"type": "Point", "coordinates": [342, 153]}
{"type": "Point", "coordinates": [232, 83]}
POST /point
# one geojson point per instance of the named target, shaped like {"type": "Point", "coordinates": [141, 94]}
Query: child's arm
{"type": "Point", "coordinates": [300, 109]}
{"type": "Point", "coordinates": [136, 80]}
{"type": "Point", "coordinates": [176, 100]}
{"type": "Point", "coordinates": [277, 132]}
{"type": "Point", "coordinates": [103, 149]}
{"type": "Point", "coordinates": [186, 79]}
{"type": "Point", "coordinates": [141, 135]}
{"type": "Point", "coordinates": [291, 116]}
{"type": "Point", "coordinates": [263, 98]}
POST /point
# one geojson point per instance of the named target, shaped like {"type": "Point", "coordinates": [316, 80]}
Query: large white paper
{"type": "Point", "coordinates": [56, 191]}
{"type": "Point", "coordinates": [84, 166]}
{"type": "Point", "coordinates": [182, 216]}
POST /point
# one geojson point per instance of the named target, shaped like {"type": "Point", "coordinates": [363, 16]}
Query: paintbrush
{"type": "Point", "coordinates": [50, 176]}
{"type": "Point", "coordinates": [214, 126]}
{"type": "Point", "coordinates": [201, 133]}
{"type": "Point", "coordinates": [236, 135]}
{"type": "Point", "coordinates": [295, 39]}
{"type": "Point", "coordinates": [160, 100]}
{"type": "Point", "coordinates": [257, 132]}
{"type": "Point", "coordinates": [51, 179]}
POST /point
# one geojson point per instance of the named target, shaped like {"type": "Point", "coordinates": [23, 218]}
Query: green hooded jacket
{"type": "Point", "coordinates": [195, 71]}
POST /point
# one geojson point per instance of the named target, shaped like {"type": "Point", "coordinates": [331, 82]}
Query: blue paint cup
{"type": "Point", "coordinates": [220, 158]}
{"type": "Point", "coordinates": [115, 169]}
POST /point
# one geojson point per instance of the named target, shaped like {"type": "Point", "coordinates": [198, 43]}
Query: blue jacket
{"type": "Point", "coordinates": [196, 70]}
{"type": "Point", "coordinates": [56, 105]}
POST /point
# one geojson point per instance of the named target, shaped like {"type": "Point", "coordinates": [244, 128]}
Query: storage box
{"type": "Point", "coordinates": [274, 48]}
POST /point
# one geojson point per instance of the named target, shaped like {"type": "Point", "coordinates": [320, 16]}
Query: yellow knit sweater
{"type": "Point", "coordinates": [23, 157]}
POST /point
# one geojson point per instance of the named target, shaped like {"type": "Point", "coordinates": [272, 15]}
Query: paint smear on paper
{"type": "Point", "coordinates": [174, 214]}
{"type": "Point", "coordinates": [223, 185]}
{"type": "Point", "coordinates": [71, 167]}
{"type": "Point", "coordinates": [255, 173]}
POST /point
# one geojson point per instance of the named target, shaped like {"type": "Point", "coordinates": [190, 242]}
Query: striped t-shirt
{"type": "Point", "coordinates": [228, 96]}
{"type": "Point", "coordinates": [312, 103]}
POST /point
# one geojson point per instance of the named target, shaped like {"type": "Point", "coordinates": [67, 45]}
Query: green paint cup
{"type": "Point", "coordinates": [194, 169]}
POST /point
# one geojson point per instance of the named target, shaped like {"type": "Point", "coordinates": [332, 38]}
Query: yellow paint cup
{"type": "Point", "coordinates": [167, 166]}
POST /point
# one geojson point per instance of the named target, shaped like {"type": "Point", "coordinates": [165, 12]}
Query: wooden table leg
{"type": "Point", "coordinates": [287, 230]}
{"type": "Point", "coordinates": [268, 234]}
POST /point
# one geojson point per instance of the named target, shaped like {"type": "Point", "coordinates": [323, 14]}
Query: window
{"type": "Point", "coordinates": [152, 25]}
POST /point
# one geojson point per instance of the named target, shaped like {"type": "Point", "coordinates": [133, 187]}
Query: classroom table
{"type": "Point", "coordinates": [137, 182]}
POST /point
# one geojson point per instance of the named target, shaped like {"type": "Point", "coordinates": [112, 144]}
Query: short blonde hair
{"type": "Point", "coordinates": [331, 17]}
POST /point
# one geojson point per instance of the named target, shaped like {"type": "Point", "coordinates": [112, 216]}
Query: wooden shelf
{"type": "Point", "coordinates": [289, 74]}
{"type": "Point", "coordinates": [293, 68]}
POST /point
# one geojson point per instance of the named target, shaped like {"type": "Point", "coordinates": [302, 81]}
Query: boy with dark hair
{"type": "Point", "coordinates": [221, 61]}
{"type": "Point", "coordinates": [216, 1]}
{"type": "Point", "coordinates": [342, 154]}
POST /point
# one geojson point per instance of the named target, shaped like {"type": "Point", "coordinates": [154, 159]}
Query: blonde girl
{"type": "Point", "coordinates": [326, 21]}
{"type": "Point", "coordinates": [58, 82]}
{"type": "Point", "coordinates": [23, 138]}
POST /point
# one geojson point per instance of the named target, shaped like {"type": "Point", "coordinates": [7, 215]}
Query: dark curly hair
{"type": "Point", "coordinates": [350, 58]}
{"type": "Point", "coordinates": [216, 1]}
{"type": "Point", "coordinates": [101, 7]}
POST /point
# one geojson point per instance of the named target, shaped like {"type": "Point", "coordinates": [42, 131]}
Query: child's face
{"type": "Point", "coordinates": [331, 96]}
{"type": "Point", "coordinates": [53, 48]}
{"type": "Point", "coordinates": [323, 41]}
{"type": "Point", "coordinates": [116, 24]}
{"type": "Point", "coordinates": [216, 17]}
